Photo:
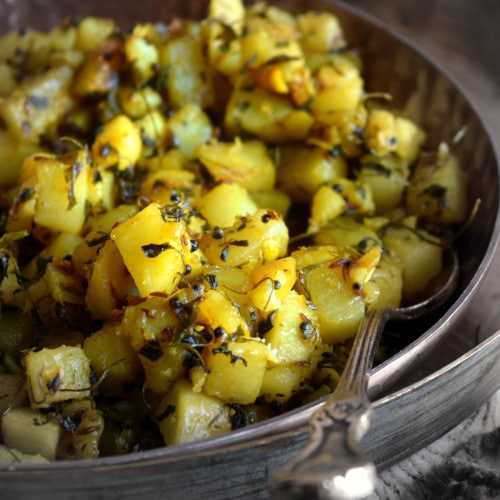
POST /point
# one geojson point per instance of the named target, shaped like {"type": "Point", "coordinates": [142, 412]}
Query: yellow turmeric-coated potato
{"type": "Point", "coordinates": [437, 188]}
{"type": "Point", "coordinates": [249, 242]}
{"type": "Point", "coordinates": [224, 203]}
{"type": "Point", "coordinates": [293, 329]}
{"type": "Point", "coordinates": [302, 170]}
{"type": "Point", "coordinates": [152, 247]}
{"type": "Point", "coordinates": [321, 32]}
{"type": "Point", "coordinates": [245, 163]}
{"type": "Point", "coordinates": [282, 381]}
{"type": "Point", "coordinates": [118, 144]}
{"type": "Point", "coordinates": [227, 366]}
{"type": "Point", "coordinates": [111, 356]}
{"type": "Point", "coordinates": [185, 415]}
{"type": "Point", "coordinates": [420, 260]}
{"type": "Point", "coordinates": [272, 282]}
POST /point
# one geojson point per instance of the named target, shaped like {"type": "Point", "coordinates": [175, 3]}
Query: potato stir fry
{"type": "Point", "coordinates": [195, 218]}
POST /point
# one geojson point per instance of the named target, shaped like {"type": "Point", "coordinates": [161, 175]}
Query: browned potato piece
{"type": "Point", "coordinates": [36, 105]}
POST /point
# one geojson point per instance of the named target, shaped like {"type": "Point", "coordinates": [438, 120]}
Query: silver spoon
{"type": "Point", "coordinates": [333, 464]}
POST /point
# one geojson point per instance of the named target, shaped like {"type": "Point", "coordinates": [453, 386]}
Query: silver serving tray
{"type": "Point", "coordinates": [429, 386]}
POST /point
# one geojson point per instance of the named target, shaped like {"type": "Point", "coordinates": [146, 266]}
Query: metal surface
{"type": "Point", "coordinates": [417, 410]}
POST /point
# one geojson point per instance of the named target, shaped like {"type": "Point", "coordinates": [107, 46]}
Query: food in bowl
{"type": "Point", "coordinates": [196, 217]}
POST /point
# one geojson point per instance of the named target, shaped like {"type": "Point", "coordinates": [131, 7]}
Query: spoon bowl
{"type": "Point", "coordinates": [333, 465]}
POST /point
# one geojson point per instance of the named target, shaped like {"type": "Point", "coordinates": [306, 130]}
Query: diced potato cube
{"type": "Point", "coordinates": [153, 128]}
{"type": "Point", "coordinates": [224, 203]}
{"type": "Point", "coordinates": [31, 432]}
{"type": "Point", "coordinates": [281, 381]}
{"type": "Point", "coordinates": [118, 144]}
{"type": "Point", "coordinates": [53, 193]}
{"type": "Point", "coordinates": [135, 103]}
{"type": "Point", "coordinates": [301, 170]}
{"type": "Point", "coordinates": [92, 32]}
{"type": "Point", "coordinates": [348, 231]}
{"type": "Point", "coordinates": [293, 329]}
{"type": "Point", "coordinates": [340, 306]}
{"type": "Point", "coordinates": [108, 283]}
{"type": "Point", "coordinates": [149, 321]}
{"type": "Point", "coordinates": [55, 375]}
{"type": "Point", "coordinates": [420, 260]}
{"type": "Point", "coordinates": [184, 415]}
{"type": "Point", "coordinates": [272, 282]}
{"type": "Point", "coordinates": [102, 190]}
{"type": "Point", "coordinates": [112, 357]}
{"type": "Point", "coordinates": [64, 283]}
{"type": "Point", "coordinates": [152, 248]}
{"type": "Point", "coordinates": [387, 180]}
{"type": "Point", "coordinates": [170, 160]}
{"type": "Point", "coordinates": [235, 283]}
{"type": "Point", "coordinates": [163, 365]}
{"type": "Point", "coordinates": [250, 242]}
{"type": "Point", "coordinates": [215, 310]}
{"type": "Point", "coordinates": [387, 133]}
{"type": "Point", "coordinates": [105, 221]}
{"type": "Point", "coordinates": [230, 12]}
{"type": "Point", "coordinates": [62, 246]}
{"type": "Point", "coordinates": [271, 117]}
{"type": "Point", "coordinates": [190, 126]}
{"type": "Point", "coordinates": [410, 138]}
{"type": "Point", "coordinates": [13, 456]}
{"type": "Point", "coordinates": [338, 132]}
{"type": "Point", "coordinates": [260, 46]}
{"type": "Point", "coordinates": [385, 288]}
{"type": "Point", "coordinates": [327, 204]}
{"type": "Point", "coordinates": [43, 303]}
{"type": "Point", "coordinates": [63, 38]}
{"type": "Point", "coordinates": [11, 292]}
{"type": "Point", "coordinates": [340, 88]}
{"type": "Point", "coordinates": [60, 278]}
{"type": "Point", "coordinates": [246, 163]}
{"type": "Point", "coordinates": [143, 57]}
{"type": "Point", "coordinates": [226, 16]}
{"type": "Point", "coordinates": [165, 184]}
{"type": "Point", "coordinates": [98, 74]}
{"type": "Point", "coordinates": [186, 77]}
{"type": "Point", "coordinates": [229, 364]}
{"type": "Point", "coordinates": [437, 189]}
{"type": "Point", "coordinates": [38, 104]}
{"type": "Point", "coordinates": [274, 199]}
{"type": "Point", "coordinates": [60, 203]}
{"type": "Point", "coordinates": [336, 198]}
{"type": "Point", "coordinates": [321, 32]}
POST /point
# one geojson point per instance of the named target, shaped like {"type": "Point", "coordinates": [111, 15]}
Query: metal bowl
{"type": "Point", "coordinates": [408, 412]}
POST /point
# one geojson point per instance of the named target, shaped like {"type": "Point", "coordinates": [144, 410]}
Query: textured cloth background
{"type": "Point", "coordinates": [463, 464]}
